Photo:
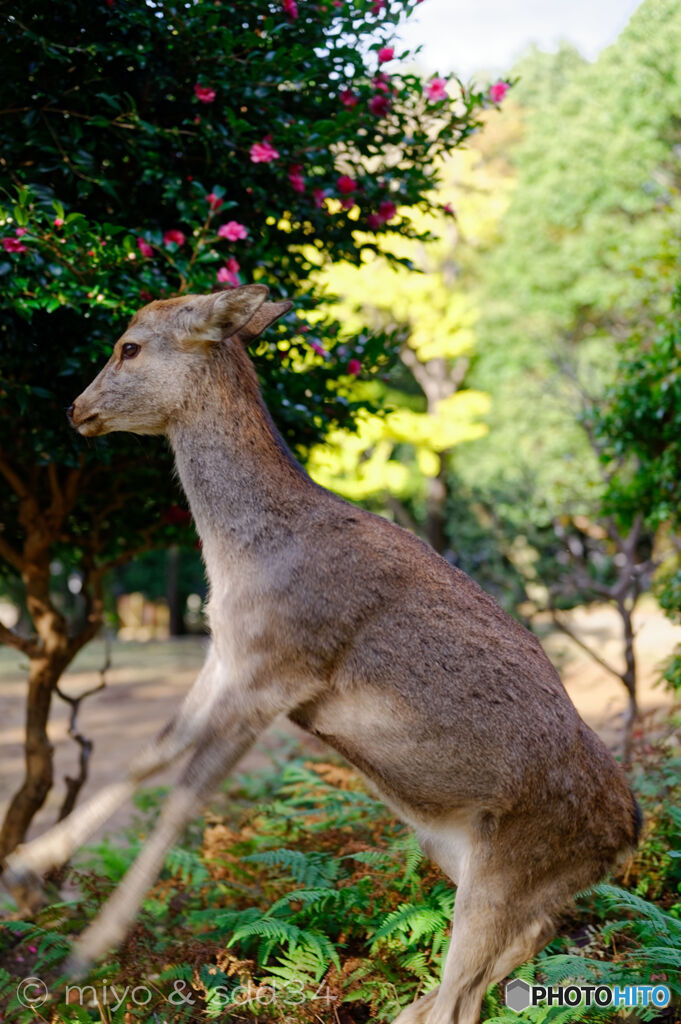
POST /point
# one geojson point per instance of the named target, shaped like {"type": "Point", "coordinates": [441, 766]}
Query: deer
{"type": "Point", "coordinates": [362, 635]}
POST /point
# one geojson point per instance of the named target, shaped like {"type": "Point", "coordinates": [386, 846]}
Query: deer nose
{"type": "Point", "coordinates": [69, 413]}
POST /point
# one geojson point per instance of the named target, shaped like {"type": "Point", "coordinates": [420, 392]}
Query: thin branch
{"type": "Point", "coordinates": [585, 647]}
{"type": "Point", "coordinates": [402, 514]}
{"type": "Point", "coordinates": [56, 509]}
{"type": "Point", "coordinates": [126, 556]}
{"type": "Point", "coordinates": [74, 785]}
{"type": "Point", "coordinates": [13, 478]}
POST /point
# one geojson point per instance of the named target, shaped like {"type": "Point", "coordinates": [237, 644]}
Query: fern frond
{"type": "Point", "coordinates": [271, 928]}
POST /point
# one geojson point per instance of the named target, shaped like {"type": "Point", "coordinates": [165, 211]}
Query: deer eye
{"type": "Point", "coordinates": [129, 350]}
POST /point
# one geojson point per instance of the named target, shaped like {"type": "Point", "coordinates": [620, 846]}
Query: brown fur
{"type": "Point", "coordinates": [363, 635]}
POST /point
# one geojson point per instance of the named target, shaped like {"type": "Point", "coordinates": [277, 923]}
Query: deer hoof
{"type": "Point", "coordinates": [77, 966]}
{"type": "Point", "coordinates": [25, 887]}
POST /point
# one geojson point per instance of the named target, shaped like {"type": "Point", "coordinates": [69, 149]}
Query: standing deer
{"type": "Point", "coordinates": [365, 637]}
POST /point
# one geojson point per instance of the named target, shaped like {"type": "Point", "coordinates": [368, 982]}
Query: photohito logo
{"type": "Point", "coordinates": [520, 995]}
{"type": "Point", "coordinates": [32, 992]}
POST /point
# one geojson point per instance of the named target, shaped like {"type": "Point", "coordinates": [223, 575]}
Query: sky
{"type": "Point", "coordinates": [488, 35]}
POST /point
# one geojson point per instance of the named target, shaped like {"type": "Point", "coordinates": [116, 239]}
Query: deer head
{"type": "Point", "coordinates": [149, 375]}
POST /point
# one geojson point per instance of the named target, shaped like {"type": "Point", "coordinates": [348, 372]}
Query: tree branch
{"type": "Point", "coordinates": [402, 514]}
{"type": "Point", "coordinates": [126, 556]}
{"type": "Point", "coordinates": [585, 647]}
{"type": "Point", "coordinates": [20, 643]}
{"type": "Point", "coordinates": [74, 785]}
{"type": "Point", "coordinates": [13, 478]}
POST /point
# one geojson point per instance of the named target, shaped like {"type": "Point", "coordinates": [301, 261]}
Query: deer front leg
{"type": "Point", "coordinates": [23, 867]}
{"type": "Point", "coordinates": [230, 733]}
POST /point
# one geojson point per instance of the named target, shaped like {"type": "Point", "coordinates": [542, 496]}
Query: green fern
{"type": "Point", "coordinates": [312, 870]}
{"type": "Point", "coordinates": [177, 972]}
{"type": "Point", "coordinates": [188, 866]}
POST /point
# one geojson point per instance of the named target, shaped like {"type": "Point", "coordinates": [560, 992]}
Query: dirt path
{"type": "Point", "coordinates": [147, 681]}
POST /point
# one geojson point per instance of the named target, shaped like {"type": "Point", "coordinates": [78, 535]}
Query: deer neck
{"type": "Point", "coordinates": [244, 486]}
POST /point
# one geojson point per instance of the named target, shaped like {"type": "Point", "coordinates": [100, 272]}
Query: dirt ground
{"type": "Point", "coordinates": [147, 681]}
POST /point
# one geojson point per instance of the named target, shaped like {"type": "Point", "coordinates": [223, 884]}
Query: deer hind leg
{"type": "Point", "coordinates": [497, 925]}
{"type": "Point", "coordinates": [495, 928]}
{"type": "Point", "coordinates": [53, 848]}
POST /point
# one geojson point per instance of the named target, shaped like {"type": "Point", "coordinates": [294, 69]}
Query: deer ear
{"type": "Point", "coordinates": [209, 318]}
{"type": "Point", "coordinates": [233, 309]}
{"type": "Point", "coordinates": [262, 318]}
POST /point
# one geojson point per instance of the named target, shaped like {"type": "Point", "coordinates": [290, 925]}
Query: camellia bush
{"type": "Point", "coordinates": [161, 148]}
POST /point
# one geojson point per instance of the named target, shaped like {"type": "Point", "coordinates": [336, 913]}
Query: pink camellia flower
{"type": "Point", "coordinates": [214, 201]}
{"type": "Point", "coordinates": [386, 53]}
{"type": "Point", "coordinates": [173, 237]}
{"type": "Point", "coordinates": [229, 273]}
{"type": "Point", "coordinates": [348, 98]}
{"type": "Point", "coordinates": [347, 203]}
{"type": "Point", "coordinates": [290, 8]}
{"type": "Point", "coordinates": [204, 93]}
{"type": "Point", "coordinates": [295, 176]}
{"type": "Point", "coordinates": [498, 91]}
{"type": "Point", "coordinates": [354, 367]}
{"type": "Point", "coordinates": [263, 152]}
{"type": "Point", "coordinates": [319, 195]}
{"type": "Point", "coordinates": [436, 90]}
{"type": "Point", "coordinates": [143, 247]}
{"type": "Point", "coordinates": [387, 210]}
{"type": "Point", "coordinates": [381, 82]}
{"type": "Point", "coordinates": [379, 105]}
{"type": "Point", "coordinates": [21, 231]}
{"type": "Point", "coordinates": [346, 184]}
{"type": "Point", "coordinates": [233, 231]}
{"type": "Point", "coordinates": [58, 222]}
{"type": "Point", "coordinates": [13, 245]}
{"type": "Point", "coordinates": [316, 347]}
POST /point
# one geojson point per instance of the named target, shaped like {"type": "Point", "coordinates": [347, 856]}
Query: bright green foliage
{"type": "Point", "coordinates": [639, 426]}
{"type": "Point", "coordinates": [587, 250]}
{"type": "Point", "coordinates": [430, 411]}
{"type": "Point", "coordinates": [309, 895]}
{"type": "Point", "coordinates": [395, 452]}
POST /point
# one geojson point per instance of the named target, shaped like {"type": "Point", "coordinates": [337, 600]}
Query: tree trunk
{"type": "Point", "coordinates": [44, 672]}
{"type": "Point", "coordinates": [629, 677]}
{"type": "Point", "coordinates": [436, 513]}
{"type": "Point", "coordinates": [49, 649]}
{"type": "Point", "coordinates": [176, 617]}
{"type": "Point", "coordinates": [49, 654]}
